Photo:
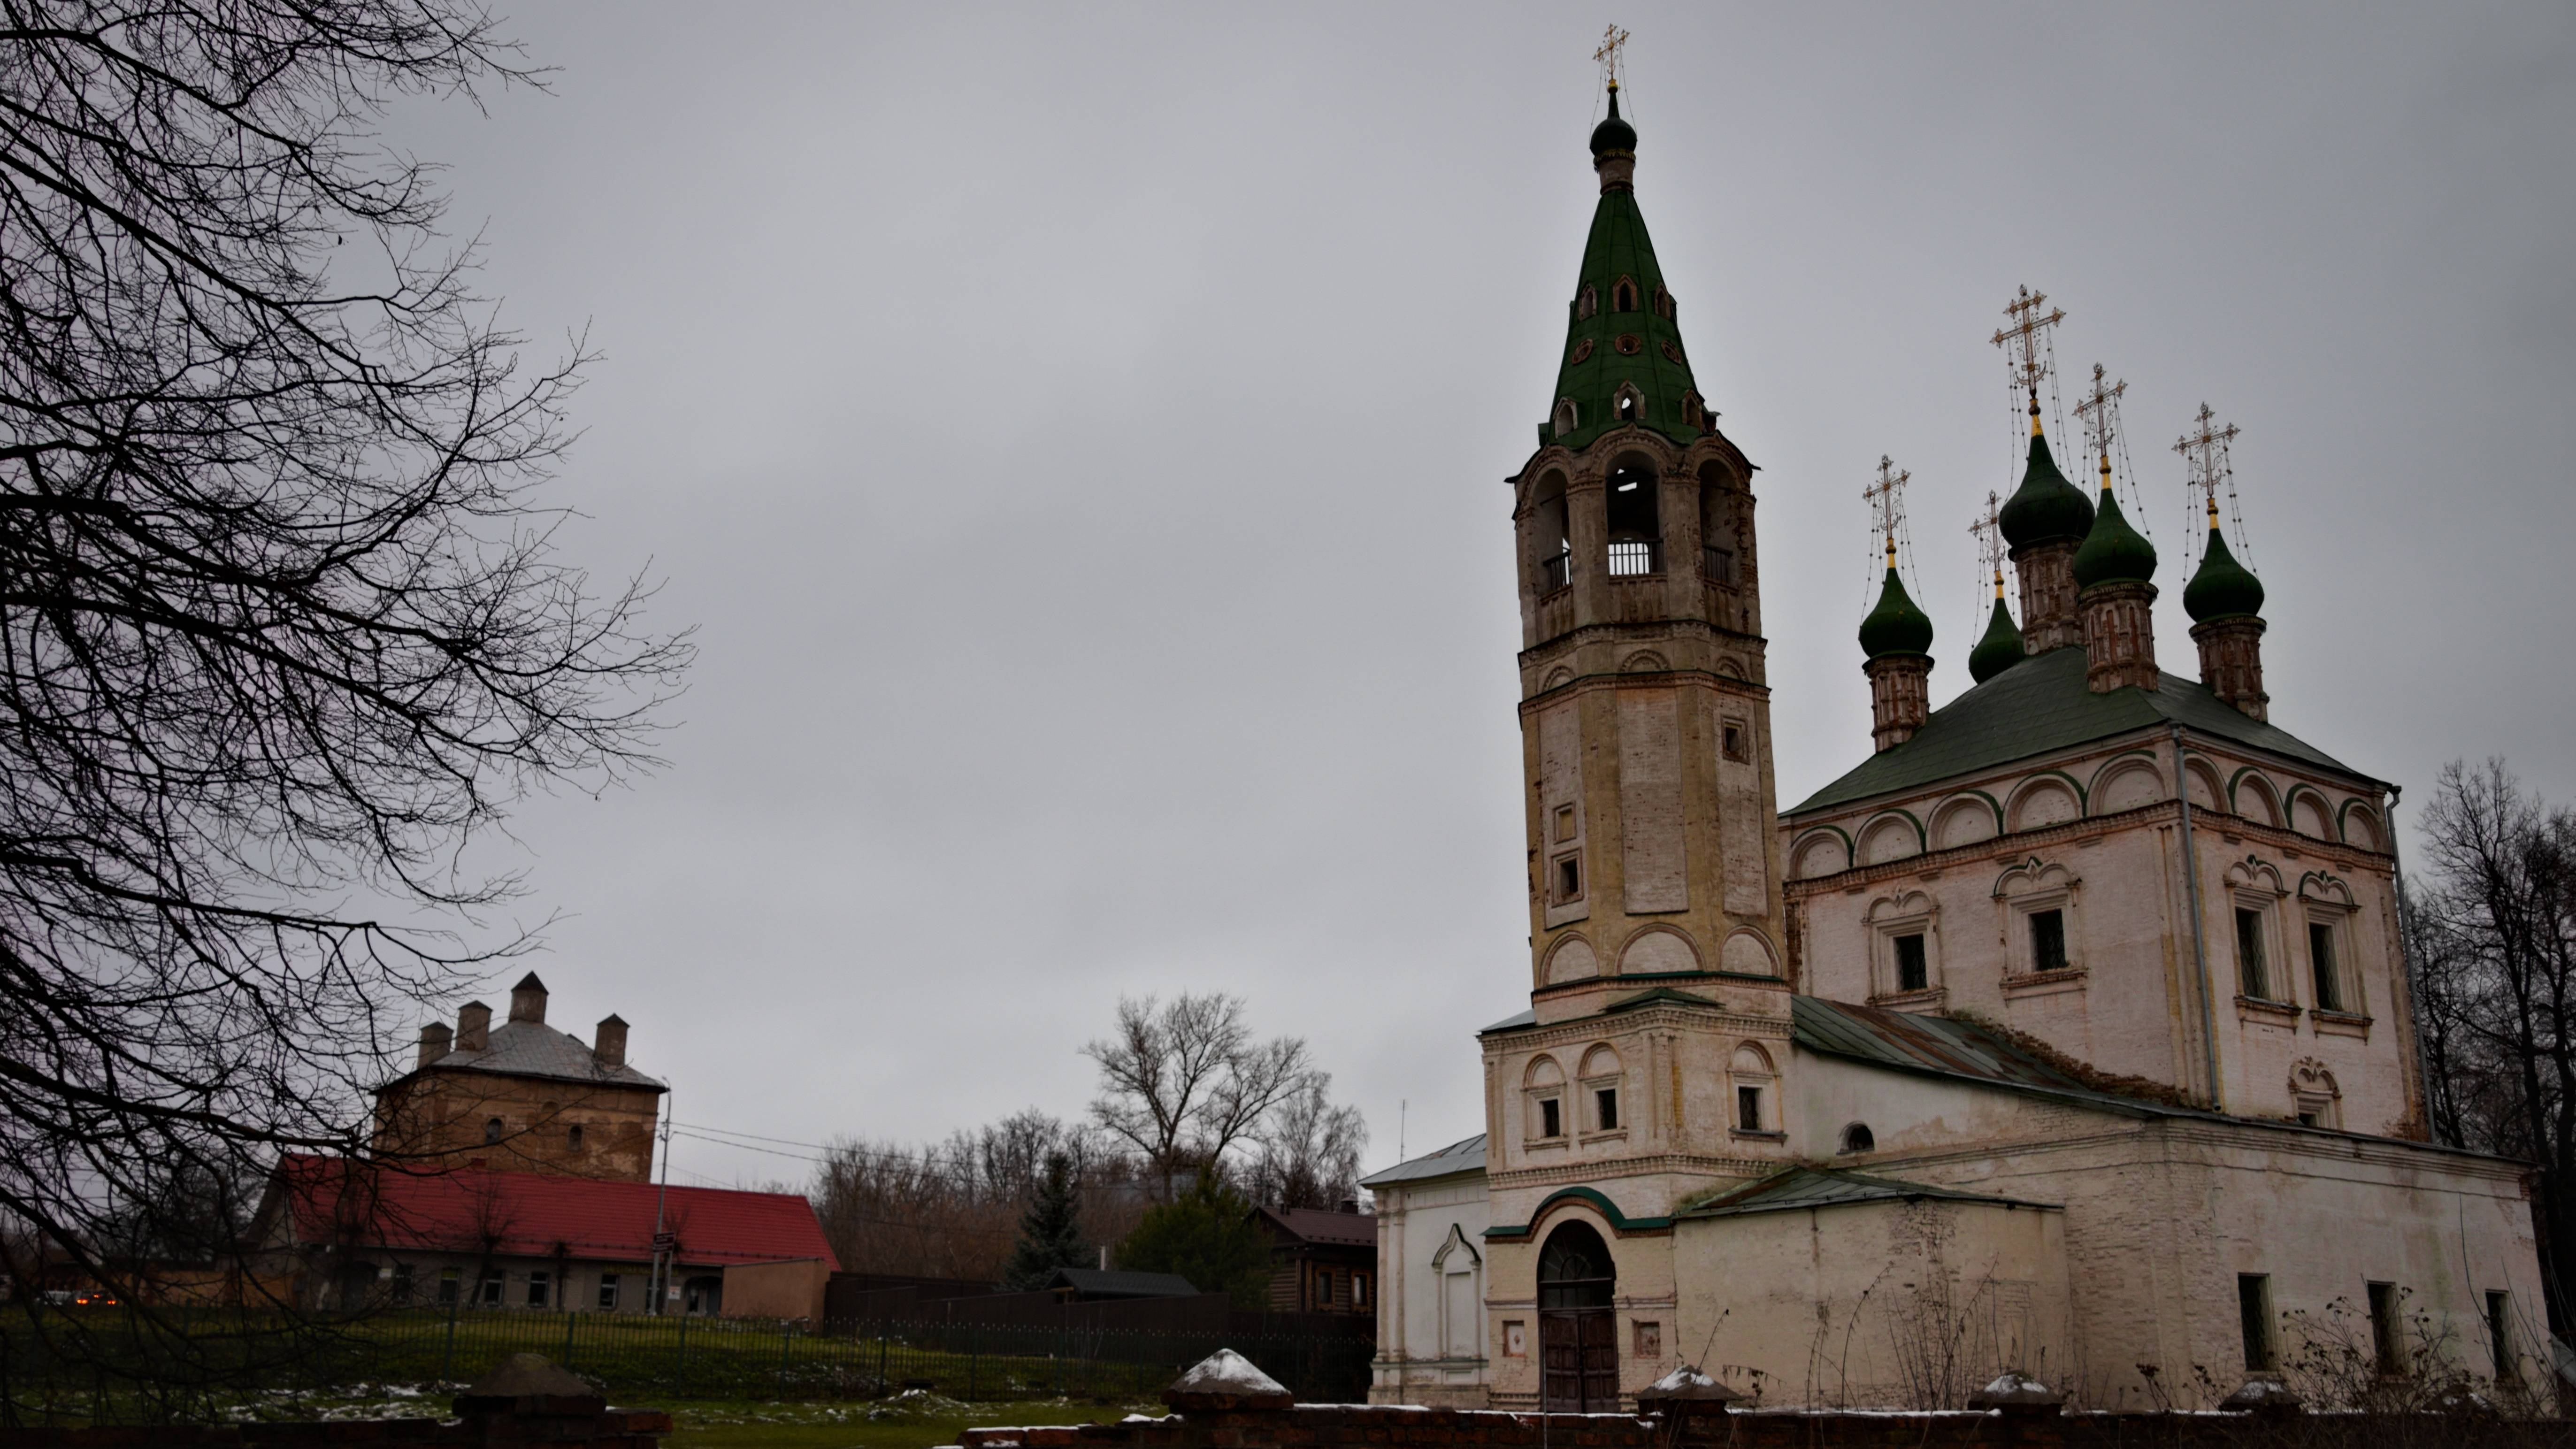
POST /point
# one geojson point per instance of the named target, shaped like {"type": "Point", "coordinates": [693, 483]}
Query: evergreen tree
{"type": "Point", "coordinates": [1050, 1231]}
{"type": "Point", "coordinates": [1207, 1236]}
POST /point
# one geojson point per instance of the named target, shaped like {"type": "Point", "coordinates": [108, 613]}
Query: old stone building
{"type": "Point", "coordinates": [521, 1096]}
{"type": "Point", "coordinates": [2068, 1031]}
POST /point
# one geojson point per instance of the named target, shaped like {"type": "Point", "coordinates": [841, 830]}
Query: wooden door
{"type": "Point", "coordinates": [1578, 1361]}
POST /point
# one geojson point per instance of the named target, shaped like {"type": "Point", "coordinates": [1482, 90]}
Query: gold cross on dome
{"type": "Point", "coordinates": [1887, 495]}
{"type": "Point", "coordinates": [1989, 533]}
{"type": "Point", "coordinates": [2026, 340]}
{"type": "Point", "coordinates": [1613, 39]}
{"type": "Point", "coordinates": [2100, 411]}
{"type": "Point", "coordinates": [2205, 452]}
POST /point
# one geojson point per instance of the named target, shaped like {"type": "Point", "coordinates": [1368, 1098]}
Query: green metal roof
{"type": "Point", "coordinates": [2042, 705]}
{"type": "Point", "coordinates": [1659, 365]}
{"type": "Point", "coordinates": [1816, 1187]}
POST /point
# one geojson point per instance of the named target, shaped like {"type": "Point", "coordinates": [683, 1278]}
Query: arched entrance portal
{"type": "Point", "coordinates": [1578, 1352]}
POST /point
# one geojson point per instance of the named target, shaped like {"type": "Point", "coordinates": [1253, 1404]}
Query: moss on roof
{"type": "Point", "coordinates": [2041, 705]}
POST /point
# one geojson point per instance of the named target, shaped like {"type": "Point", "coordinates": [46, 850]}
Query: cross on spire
{"type": "Point", "coordinates": [1613, 40]}
{"type": "Point", "coordinates": [2100, 411]}
{"type": "Point", "coordinates": [2026, 342]}
{"type": "Point", "coordinates": [1988, 530]}
{"type": "Point", "coordinates": [1887, 495]}
{"type": "Point", "coordinates": [2205, 453]}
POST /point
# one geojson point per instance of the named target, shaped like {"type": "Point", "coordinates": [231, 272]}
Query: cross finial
{"type": "Point", "coordinates": [2205, 452]}
{"type": "Point", "coordinates": [2100, 411]}
{"type": "Point", "coordinates": [1887, 495]}
{"type": "Point", "coordinates": [2026, 341]}
{"type": "Point", "coordinates": [1988, 530]}
{"type": "Point", "coordinates": [1613, 40]}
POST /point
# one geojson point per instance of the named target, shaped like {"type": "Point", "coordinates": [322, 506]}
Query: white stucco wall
{"type": "Point", "coordinates": [1431, 1311]}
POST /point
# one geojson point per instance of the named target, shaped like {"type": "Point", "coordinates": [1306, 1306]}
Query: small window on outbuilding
{"type": "Point", "coordinates": [608, 1286]}
{"type": "Point", "coordinates": [1858, 1138]}
{"type": "Point", "coordinates": [491, 1131]}
{"type": "Point", "coordinates": [572, 1137]}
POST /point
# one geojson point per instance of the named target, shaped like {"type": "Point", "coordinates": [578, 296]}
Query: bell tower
{"type": "Point", "coordinates": [1645, 723]}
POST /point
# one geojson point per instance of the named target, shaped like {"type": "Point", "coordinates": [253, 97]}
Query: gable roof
{"type": "Point", "coordinates": [1118, 1283]}
{"type": "Point", "coordinates": [2042, 704]}
{"type": "Point", "coordinates": [534, 1049]}
{"type": "Point", "coordinates": [1464, 1155]}
{"type": "Point", "coordinates": [1323, 1225]}
{"type": "Point", "coordinates": [528, 1214]}
{"type": "Point", "coordinates": [1940, 1044]}
{"type": "Point", "coordinates": [1815, 1187]}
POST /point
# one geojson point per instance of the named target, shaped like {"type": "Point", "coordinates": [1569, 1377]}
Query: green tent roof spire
{"type": "Point", "coordinates": [1624, 362]}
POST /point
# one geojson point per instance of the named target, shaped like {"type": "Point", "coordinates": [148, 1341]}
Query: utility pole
{"type": "Point", "coordinates": [659, 1286]}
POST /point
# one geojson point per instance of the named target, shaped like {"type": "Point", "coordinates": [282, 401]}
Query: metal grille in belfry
{"type": "Point", "coordinates": [1635, 556]}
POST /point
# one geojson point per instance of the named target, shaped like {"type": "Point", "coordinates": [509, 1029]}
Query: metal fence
{"type": "Point", "coordinates": [50, 1357]}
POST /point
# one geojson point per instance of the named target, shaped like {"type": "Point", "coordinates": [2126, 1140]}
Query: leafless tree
{"type": "Point", "coordinates": [952, 1209]}
{"type": "Point", "coordinates": [283, 624]}
{"type": "Point", "coordinates": [2493, 944]}
{"type": "Point", "coordinates": [1184, 1082]}
{"type": "Point", "coordinates": [1309, 1151]}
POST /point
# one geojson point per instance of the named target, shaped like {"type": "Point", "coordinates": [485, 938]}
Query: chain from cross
{"type": "Point", "coordinates": [2026, 339]}
{"type": "Point", "coordinates": [1989, 533]}
{"type": "Point", "coordinates": [1887, 496]}
{"type": "Point", "coordinates": [2100, 411]}
{"type": "Point", "coordinates": [2205, 453]}
{"type": "Point", "coordinates": [1613, 39]}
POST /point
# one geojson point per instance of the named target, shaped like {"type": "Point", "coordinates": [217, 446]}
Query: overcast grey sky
{"type": "Point", "coordinates": [1079, 435]}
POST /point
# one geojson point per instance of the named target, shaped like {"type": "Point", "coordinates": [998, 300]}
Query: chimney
{"type": "Point", "coordinates": [609, 1046]}
{"type": "Point", "coordinates": [1349, 1205]}
{"type": "Point", "coordinates": [433, 1042]}
{"type": "Point", "coordinates": [528, 1000]}
{"type": "Point", "coordinates": [473, 1027]}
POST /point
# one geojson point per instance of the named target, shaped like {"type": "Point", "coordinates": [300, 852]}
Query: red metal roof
{"type": "Point", "coordinates": [527, 1214]}
{"type": "Point", "coordinates": [1323, 1225]}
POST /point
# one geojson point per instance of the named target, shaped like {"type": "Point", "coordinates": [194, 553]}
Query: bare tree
{"type": "Point", "coordinates": [2494, 951]}
{"type": "Point", "coordinates": [1309, 1151]}
{"type": "Point", "coordinates": [1184, 1082]}
{"type": "Point", "coordinates": [952, 1209]}
{"type": "Point", "coordinates": [283, 626]}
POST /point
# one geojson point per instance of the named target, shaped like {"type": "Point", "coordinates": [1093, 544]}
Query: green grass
{"type": "Point", "coordinates": [894, 1425]}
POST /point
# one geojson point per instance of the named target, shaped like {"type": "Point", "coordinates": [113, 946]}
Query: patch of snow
{"type": "Point", "coordinates": [1228, 1372]}
{"type": "Point", "coordinates": [1685, 1377]}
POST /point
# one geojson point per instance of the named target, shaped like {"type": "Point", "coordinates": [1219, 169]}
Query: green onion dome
{"type": "Point", "coordinates": [1895, 626]}
{"type": "Point", "coordinates": [2113, 552]}
{"type": "Point", "coordinates": [2000, 650]}
{"type": "Point", "coordinates": [2221, 588]}
{"type": "Point", "coordinates": [1613, 134]}
{"type": "Point", "coordinates": [2046, 506]}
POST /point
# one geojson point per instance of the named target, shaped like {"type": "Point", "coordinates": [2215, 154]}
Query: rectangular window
{"type": "Point", "coordinates": [2383, 1327]}
{"type": "Point", "coordinates": [1359, 1290]}
{"type": "Point", "coordinates": [1569, 879]}
{"type": "Point", "coordinates": [402, 1284]}
{"type": "Point", "coordinates": [1564, 823]}
{"type": "Point", "coordinates": [1912, 972]}
{"type": "Point", "coordinates": [492, 1288]}
{"type": "Point", "coordinates": [1549, 1124]}
{"type": "Point", "coordinates": [1731, 740]}
{"type": "Point", "coordinates": [607, 1290]}
{"type": "Point", "coordinates": [2048, 940]}
{"type": "Point", "coordinates": [1648, 1340]}
{"type": "Point", "coordinates": [2250, 976]}
{"type": "Point", "coordinates": [2508, 1364]}
{"type": "Point", "coordinates": [2321, 960]}
{"type": "Point", "coordinates": [450, 1283]}
{"type": "Point", "coordinates": [538, 1283]}
{"type": "Point", "coordinates": [1605, 1106]}
{"type": "Point", "coordinates": [1720, 564]}
{"type": "Point", "coordinates": [1748, 1108]}
{"type": "Point", "coordinates": [2254, 1316]}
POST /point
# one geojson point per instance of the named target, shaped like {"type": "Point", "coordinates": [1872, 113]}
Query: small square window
{"type": "Point", "coordinates": [1550, 1122]}
{"type": "Point", "coordinates": [2251, 977]}
{"type": "Point", "coordinates": [2321, 959]}
{"type": "Point", "coordinates": [1647, 1339]}
{"type": "Point", "coordinates": [1731, 738]}
{"type": "Point", "coordinates": [2254, 1317]}
{"type": "Point", "coordinates": [1569, 878]}
{"type": "Point", "coordinates": [608, 1284]}
{"type": "Point", "coordinates": [1605, 1108]}
{"type": "Point", "coordinates": [1913, 971]}
{"type": "Point", "coordinates": [1564, 823]}
{"type": "Point", "coordinates": [1748, 1109]}
{"type": "Point", "coordinates": [2047, 941]}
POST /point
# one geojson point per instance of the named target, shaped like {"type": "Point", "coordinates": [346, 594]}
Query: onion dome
{"type": "Point", "coordinates": [2001, 649]}
{"type": "Point", "coordinates": [2221, 588]}
{"type": "Point", "coordinates": [2046, 506]}
{"type": "Point", "coordinates": [1613, 135]}
{"type": "Point", "coordinates": [2113, 552]}
{"type": "Point", "coordinates": [1895, 626]}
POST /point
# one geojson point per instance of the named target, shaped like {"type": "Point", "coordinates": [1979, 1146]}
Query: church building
{"type": "Point", "coordinates": [2068, 1031]}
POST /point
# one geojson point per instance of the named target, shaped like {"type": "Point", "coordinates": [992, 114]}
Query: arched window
{"type": "Point", "coordinates": [573, 1137]}
{"type": "Point", "coordinates": [1579, 1361]}
{"type": "Point", "coordinates": [1588, 303]}
{"type": "Point", "coordinates": [1544, 1088]}
{"type": "Point", "coordinates": [1551, 550]}
{"type": "Point", "coordinates": [491, 1131]}
{"type": "Point", "coordinates": [1563, 422]}
{"type": "Point", "coordinates": [1636, 528]}
{"type": "Point", "coordinates": [1857, 1138]}
{"type": "Point", "coordinates": [1751, 1071]}
{"type": "Point", "coordinates": [1693, 415]}
{"type": "Point", "coordinates": [1630, 405]}
{"type": "Point", "coordinates": [1623, 296]}
{"type": "Point", "coordinates": [1663, 302]}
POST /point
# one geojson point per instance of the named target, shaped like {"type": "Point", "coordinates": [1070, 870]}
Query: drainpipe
{"type": "Point", "coordinates": [2199, 945]}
